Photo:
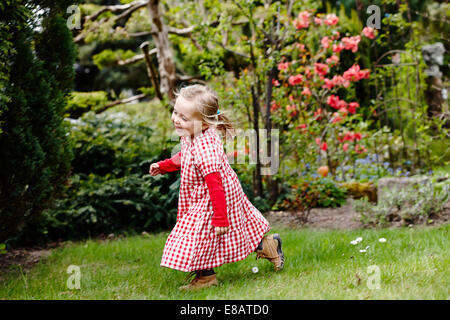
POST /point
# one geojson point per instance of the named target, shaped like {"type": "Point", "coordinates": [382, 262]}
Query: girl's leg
{"type": "Point", "coordinates": [207, 272]}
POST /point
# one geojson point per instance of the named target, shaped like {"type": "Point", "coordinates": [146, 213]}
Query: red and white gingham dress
{"type": "Point", "coordinates": [192, 245]}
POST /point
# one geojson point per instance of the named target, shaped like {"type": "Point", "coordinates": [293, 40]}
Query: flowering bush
{"type": "Point", "coordinates": [318, 116]}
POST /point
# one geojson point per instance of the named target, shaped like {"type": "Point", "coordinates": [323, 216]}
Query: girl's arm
{"type": "Point", "coordinates": [170, 165]}
{"type": "Point", "coordinates": [218, 200]}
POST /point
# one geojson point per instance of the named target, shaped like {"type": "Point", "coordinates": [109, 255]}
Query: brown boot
{"type": "Point", "coordinates": [200, 281]}
{"type": "Point", "coordinates": [270, 249]}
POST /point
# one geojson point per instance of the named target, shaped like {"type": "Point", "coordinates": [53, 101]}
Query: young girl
{"type": "Point", "coordinates": [216, 223]}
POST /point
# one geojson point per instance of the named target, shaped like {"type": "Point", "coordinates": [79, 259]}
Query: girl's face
{"type": "Point", "coordinates": [185, 118]}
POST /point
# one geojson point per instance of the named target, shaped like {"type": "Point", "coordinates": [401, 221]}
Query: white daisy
{"type": "Point", "coordinates": [354, 242]}
{"type": "Point", "coordinates": [255, 269]}
{"type": "Point", "coordinates": [359, 239]}
{"type": "Point", "coordinates": [382, 240]}
{"type": "Point", "coordinates": [364, 250]}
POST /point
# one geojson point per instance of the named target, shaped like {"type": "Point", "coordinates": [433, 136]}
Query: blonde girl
{"type": "Point", "coordinates": [216, 223]}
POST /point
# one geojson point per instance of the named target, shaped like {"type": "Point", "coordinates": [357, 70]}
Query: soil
{"type": "Point", "coordinates": [343, 218]}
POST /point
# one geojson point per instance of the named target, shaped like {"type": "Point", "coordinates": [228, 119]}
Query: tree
{"type": "Point", "coordinates": [35, 161]}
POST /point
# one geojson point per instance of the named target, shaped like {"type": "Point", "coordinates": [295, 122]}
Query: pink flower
{"type": "Point", "coordinates": [338, 47]}
{"type": "Point", "coordinates": [351, 43]}
{"type": "Point", "coordinates": [306, 92]}
{"type": "Point", "coordinates": [274, 106]}
{"type": "Point", "coordinates": [325, 42]}
{"type": "Point", "coordinates": [369, 32]}
{"type": "Point", "coordinates": [332, 60]}
{"type": "Point", "coordinates": [331, 19]}
{"type": "Point", "coordinates": [345, 146]}
{"type": "Point", "coordinates": [340, 81]}
{"type": "Point", "coordinates": [308, 73]}
{"type": "Point", "coordinates": [322, 145]}
{"type": "Point", "coordinates": [348, 136]}
{"type": "Point", "coordinates": [301, 127]}
{"type": "Point", "coordinates": [293, 110]}
{"type": "Point", "coordinates": [364, 74]}
{"type": "Point", "coordinates": [336, 117]}
{"type": "Point", "coordinates": [283, 65]}
{"type": "Point", "coordinates": [275, 82]}
{"type": "Point", "coordinates": [302, 21]}
{"type": "Point", "coordinates": [354, 73]}
{"type": "Point", "coordinates": [300, 46]}
{"type": "Point", "coordinates": [333, 101]}
{"type": "Point", "coordinates": [318, 113]}
{"type": "Point", "coordinates": [343, 111]}
{"type": "Point", "coordinates": [336, 103]}
{"type": "Point", "coordinates": [360, 149]}
{"type": "Point", "coordinates": [328, 84]}
{"type": "Point", "coordinates": [321, 68]}
{"type": "Point", "coordinates": [352, 107]}
{"type": "Point", "coordinates": [336, 35]}
{"type": "Point", "coordinates": [318, 21]}
{"type": "Point", "coordinates": [297, 79]}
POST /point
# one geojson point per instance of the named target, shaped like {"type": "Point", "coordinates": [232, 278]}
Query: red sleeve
{"type": "Point", "coordinates": [219, 203]}
{"type": "Point", "coordinates": [172, 164]}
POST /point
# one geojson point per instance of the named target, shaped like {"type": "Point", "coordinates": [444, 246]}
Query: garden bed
{"type": "Point", "coordinates": [343, 217]}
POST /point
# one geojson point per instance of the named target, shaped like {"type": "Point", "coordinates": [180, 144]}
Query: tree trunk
{"type": "Point", "coordinates": [272, 184]}
{"type": "Point", "coordinates": [258, 179]}
{"type": "Point", "coordinates": [166, 64]}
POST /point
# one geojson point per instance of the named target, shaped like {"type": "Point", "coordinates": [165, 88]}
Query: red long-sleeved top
{"type": "Point", "coordinates": [215, 187]}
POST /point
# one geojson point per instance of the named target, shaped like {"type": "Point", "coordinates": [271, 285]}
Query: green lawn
{"type": "Point", "coordinates": [413, 264]}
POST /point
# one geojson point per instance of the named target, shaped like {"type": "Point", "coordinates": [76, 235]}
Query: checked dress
{"type": "Point", "coordinates": [192, 245]}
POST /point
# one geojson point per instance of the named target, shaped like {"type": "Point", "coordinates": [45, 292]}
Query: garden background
{"type": "Point", "coordinates": [356, 90]}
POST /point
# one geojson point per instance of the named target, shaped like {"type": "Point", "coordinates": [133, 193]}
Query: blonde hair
{"type": "Point", "coordinates": [207, 103]}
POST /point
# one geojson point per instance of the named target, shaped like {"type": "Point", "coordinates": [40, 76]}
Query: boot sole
{"type": "Point", "coordinates": [279, 250]}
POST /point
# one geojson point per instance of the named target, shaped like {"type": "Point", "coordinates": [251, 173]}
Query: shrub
{"type": "Point", "coordinates": [410, 205]}
{"type": "Point", "coordinates": [111, 143]}
{"type": "Point", "coordinates": [35, 156]}
{"type": "Point", "coordinates": [308, 194]}
{"type": "Point", "coordinates": [96, 205]}
{"type": "Point", "coordinates": [82, 102]}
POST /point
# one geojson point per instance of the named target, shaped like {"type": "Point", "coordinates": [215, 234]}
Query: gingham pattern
{"type": "Point", "coordinates": [191, 245]}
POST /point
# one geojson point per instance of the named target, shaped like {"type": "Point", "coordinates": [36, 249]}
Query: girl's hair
{"type": "Point", "coordinates": [207, 102]}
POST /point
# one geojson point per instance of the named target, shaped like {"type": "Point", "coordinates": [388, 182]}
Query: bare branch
{"type": "Point", "coordinates": [136, 58]}
{"type": "Point", "coordinates": [120, 101]}
{"type": "Point", "coordinates": [117, 8]}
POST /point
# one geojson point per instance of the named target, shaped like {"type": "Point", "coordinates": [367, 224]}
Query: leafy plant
{"type": "Point", "coordinates": [411, 205]}
{"type": "Point", "coordinates": [306, 195]}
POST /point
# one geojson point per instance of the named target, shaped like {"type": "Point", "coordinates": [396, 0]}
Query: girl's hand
{"type": "Point", "coordinates": [154, 169]}
{"type": "Point", "coordinates": [220, 230]}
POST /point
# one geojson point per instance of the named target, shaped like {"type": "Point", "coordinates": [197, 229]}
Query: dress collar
{"type": "Point", "coordinates": [204, 131]}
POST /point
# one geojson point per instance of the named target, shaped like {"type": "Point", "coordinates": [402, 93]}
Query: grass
{"type": "Point", "coordinates": [320, 264]}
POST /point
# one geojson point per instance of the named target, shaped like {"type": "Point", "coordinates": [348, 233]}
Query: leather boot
{"type": "Point", "coordinates": [200, 281]}
{"type": "Point", "coordinates": [270, 249]}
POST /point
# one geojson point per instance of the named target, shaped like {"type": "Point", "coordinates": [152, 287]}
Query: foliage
{"type": "Point", "coordinates": [109, 57]}
{"type": "Point", "coordinates": [35, 160]}
{"type": "Point", "coordinates": [111, 143]}
{"type": "Point", "coordinates": [110, 190]}
{"type": "Point", "coordinates": [95, 204]}
{"type": "Point", "coordinates": [410, 205]}
{"type": "Point", "coordinates": [82, 102]}
{"type": "Point", "coordinates": [312, 193]}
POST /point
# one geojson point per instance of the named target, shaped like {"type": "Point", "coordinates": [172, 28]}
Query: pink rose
{"type": "Point", "coordinates": [369, 32]}
{"type": "Point", "coordinates": [331, 19]}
